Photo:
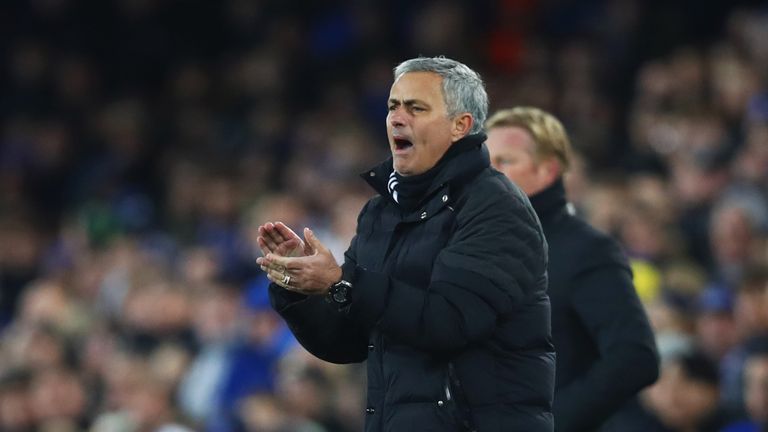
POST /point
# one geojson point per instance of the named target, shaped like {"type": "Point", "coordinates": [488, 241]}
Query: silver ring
{"type": "Point", "coordinates": [286, 280]}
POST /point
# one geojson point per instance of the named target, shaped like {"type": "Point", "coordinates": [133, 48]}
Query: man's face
{"type": "Point", "coordinates": [418, 126]}
{"type": "Point", "coordinates": [513, 153]}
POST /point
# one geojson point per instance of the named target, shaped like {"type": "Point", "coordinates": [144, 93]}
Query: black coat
{"type": "Point", "coordinates": [449, 306]}
{"type": "Point", "coordinates": [606, 350]}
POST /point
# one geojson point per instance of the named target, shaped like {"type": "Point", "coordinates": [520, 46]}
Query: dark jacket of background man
{"type": "Point", "coordinates": [605, 347]}
{"type": "Point", "coordinates": [476, 335]}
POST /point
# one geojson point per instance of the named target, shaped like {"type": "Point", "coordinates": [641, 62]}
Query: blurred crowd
{"type": "Point", "coordinates": [142, 143]}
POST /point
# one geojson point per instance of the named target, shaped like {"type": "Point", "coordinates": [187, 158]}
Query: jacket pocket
{"type": "Point", "coordinates": [433, 416]}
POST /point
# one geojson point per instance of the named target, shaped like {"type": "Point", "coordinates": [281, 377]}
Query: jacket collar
{"type": "Point", "coordinates": [550, 201]}
{"type": "Point", "coordinates": [455, 170]}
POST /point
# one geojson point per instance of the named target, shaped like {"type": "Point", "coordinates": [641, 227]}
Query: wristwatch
{"type": "Point", "coordinates": [340, 293]}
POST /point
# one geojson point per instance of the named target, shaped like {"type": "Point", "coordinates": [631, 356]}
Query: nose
{"type": "Point", "coordinates": [396, 118]}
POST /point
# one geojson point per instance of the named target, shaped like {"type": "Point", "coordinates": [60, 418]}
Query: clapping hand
{"type": "Point", "coordinates": [278, 239]}
{"type": "Point", "coordinates": [305, 267]}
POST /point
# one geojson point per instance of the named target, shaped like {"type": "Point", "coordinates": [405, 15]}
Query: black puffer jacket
{"type": "Point", "coordinates": [449, 306]}
{"type": "Point", "coordinates": [606, 352]}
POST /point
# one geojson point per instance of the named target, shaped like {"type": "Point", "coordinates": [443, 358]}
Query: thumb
{"type": "Point", "coordinates": [313, 241]}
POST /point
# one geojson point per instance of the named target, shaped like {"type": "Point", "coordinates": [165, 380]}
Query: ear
{"type": "Point", "coordinates": [549, 170]}
{"type": "Point", "coordinates": [462, 124]}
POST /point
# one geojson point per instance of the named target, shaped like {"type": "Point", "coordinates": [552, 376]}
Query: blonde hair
{"type": "Point", "coordinates": [546, 131]}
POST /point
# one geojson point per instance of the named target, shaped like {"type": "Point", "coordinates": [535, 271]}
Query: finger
{"type": "Point", "coordinates": [274, 275]}
{"type": "Point", "coordinates": [286, 232]}
{"type": "Point", "coordinates": [282, 233]}
{"type": "Point", "coordinates": [268, 246]}
{"type": "Point", "coordinates": [287, 247]}
{"type": "Point", "coordinates": [276, 237]}
{"type": "Point", "coordinates": [265, 249]}
{"type": "Point", "coordinates": [270, 264]}
{"type": "Point", "coordinates": [308, 248]}
{"type": "Point", "coordinates": [289, 235]}
{"type": "Point", "coordinates": [276, 268]}
{"type": "Point", "coordinates": [279, 279]}
{"type": "Point", "coordinates": [266, 234]}
{"type": "Point", "coordinates": [279, 275]}
{"type": "Point", "coordinates": [313, 241]}
{"type": "Point", "coordinates": [286, 262]}
{"type": "Point", "coordinates": [271, 232]}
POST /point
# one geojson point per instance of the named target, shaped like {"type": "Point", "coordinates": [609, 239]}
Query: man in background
{"type": "Point", "coordinates": [605, 346]}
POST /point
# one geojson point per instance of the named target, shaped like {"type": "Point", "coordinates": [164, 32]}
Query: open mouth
{"type": "Point", "coordinates": [402, 144]}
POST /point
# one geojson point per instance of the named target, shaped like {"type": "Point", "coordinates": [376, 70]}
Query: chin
{"type": "Point", "coordinates": [400, 168]}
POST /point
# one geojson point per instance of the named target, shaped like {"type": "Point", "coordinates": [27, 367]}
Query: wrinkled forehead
{"type": "Point", "coordinates": [417, 84]}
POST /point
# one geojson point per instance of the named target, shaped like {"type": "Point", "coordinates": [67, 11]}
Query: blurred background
{"type": "Point", "coordinates": [142, 142]}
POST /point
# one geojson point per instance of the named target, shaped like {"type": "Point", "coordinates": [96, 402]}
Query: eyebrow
{"type": "Point", "coordinates": [407, 102]}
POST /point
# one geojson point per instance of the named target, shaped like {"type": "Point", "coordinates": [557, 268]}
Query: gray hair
{"type": "Point", "coordinates": [463, 89]}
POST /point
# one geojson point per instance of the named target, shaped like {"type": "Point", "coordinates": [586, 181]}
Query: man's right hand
{"type": "Point", "coordinates": [278, 239]}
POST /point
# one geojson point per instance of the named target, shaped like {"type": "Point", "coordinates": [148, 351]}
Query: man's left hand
{"type": "Point", "coordinates": [310, 275]}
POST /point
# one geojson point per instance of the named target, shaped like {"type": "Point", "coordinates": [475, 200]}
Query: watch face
{"type": "Point", "coordinates": [340, 294]}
